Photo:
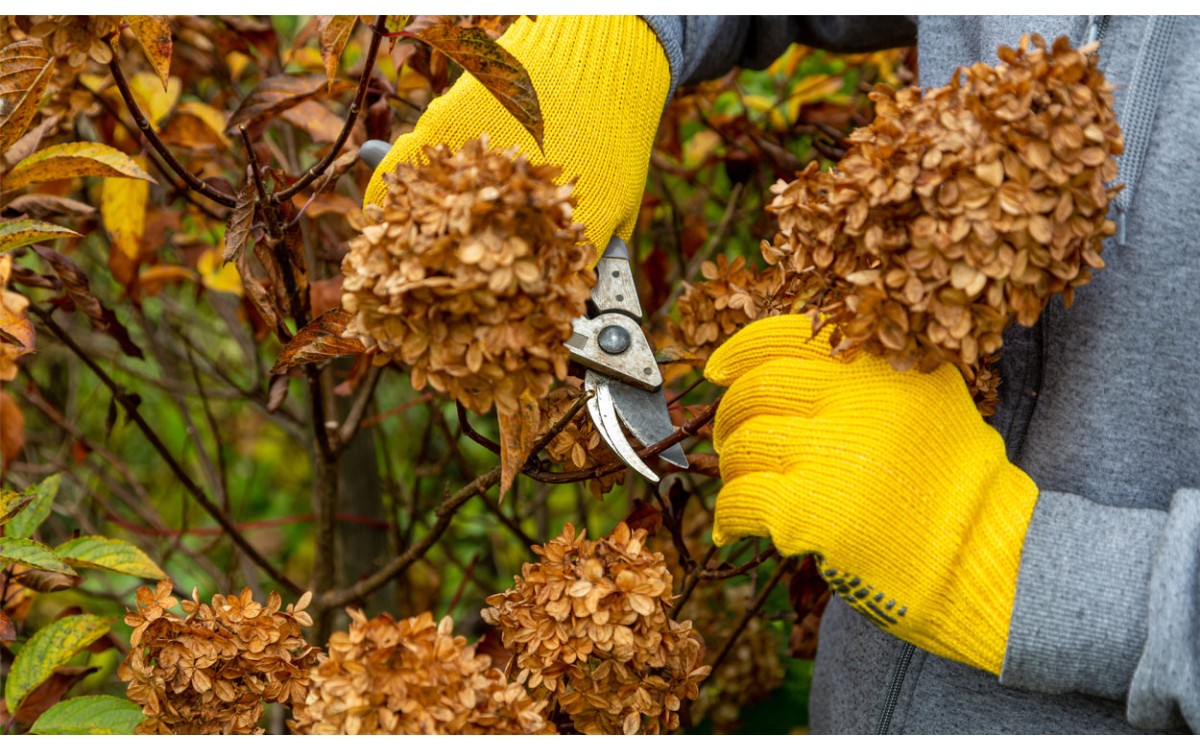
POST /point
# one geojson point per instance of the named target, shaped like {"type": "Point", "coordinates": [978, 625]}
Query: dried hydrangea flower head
{"type": "Point", "coordinates": [731, 296]}
{"type": "Point", "coordinates": [957, 210]}
{"type": "Point", "coordinates": [470, 273]}
{"type": "Point", "coordinates": [412, 676]}
{"type": "Point", "coordinates": [17, 337]}
{"type": "Point", "coordinates": [588, 625]}
{"type": "Point", "coordinates": [74, 39]}
{"type": "Point", "coordinates": [210, 671]}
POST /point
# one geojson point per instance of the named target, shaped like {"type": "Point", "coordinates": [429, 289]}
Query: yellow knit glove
{"type": "Point", "coordinates": [892, 478]}
{"type": "Point", "coordinates": [601, 82]}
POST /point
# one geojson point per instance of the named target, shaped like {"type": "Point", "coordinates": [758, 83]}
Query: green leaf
{"type": "Point", "coordinates": [91, 714]}
{"type": "Point", "coordinates": [31, 554]}
{"type": "Point", "coordinates": [27, 521]}
{"type": "Point", "coordinates": [78, 159]}
{"type": "Point", "coordinates": [22, 232]}
{"type": "Point", "coordinates": [48, 649]}
{"type": "Point", "coordinates": [115, 555]}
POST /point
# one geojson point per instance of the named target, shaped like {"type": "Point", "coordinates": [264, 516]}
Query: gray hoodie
{"type": "Point", "coordinates": [1100, 406]}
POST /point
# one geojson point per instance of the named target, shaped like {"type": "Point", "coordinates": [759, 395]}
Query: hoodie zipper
{"type": "Point", "coordinates": [893, 696]}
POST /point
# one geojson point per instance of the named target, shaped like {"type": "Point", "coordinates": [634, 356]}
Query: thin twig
{"type": "Point", "coordinates": [445, 513]}
{"type": "Point", "coordinates": [751, 612]}
{"type": "Point", "coordinates": [130, 403]}
{"type": "Point", "coordinates": [377, 30]}
{"type": "Point", "coordinates": [354, 418]}
{"type": "Point", "coordinates": [139, 119]}
{"type": "Point", "coordinates": [462, 585]}
{"type": "Point", "coordinates": [690, 580]}
{"type": "Point", "coordinates": [469, 431]}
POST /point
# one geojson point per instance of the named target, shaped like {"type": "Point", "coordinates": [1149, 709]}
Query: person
{"type": "Point", "coordinates": [1036, 573]}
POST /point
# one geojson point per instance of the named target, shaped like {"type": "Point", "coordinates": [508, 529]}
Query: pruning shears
{"type": "Point", "coordinates": [608, 341]}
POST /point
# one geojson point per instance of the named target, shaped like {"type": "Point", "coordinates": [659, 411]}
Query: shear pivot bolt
{"type": "Point", "coordinates": [613, 339]}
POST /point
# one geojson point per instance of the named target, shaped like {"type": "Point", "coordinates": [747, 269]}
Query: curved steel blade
{"type": "Point", "coordinates": [645, 414]}
{"type": "Point", "coordinates": [604, 416]}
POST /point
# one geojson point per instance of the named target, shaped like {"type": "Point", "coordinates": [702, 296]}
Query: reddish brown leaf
{"type": "Point", "coordinates": [325, 294]}
{"type": "Point", "coordinates": [154, 33]}
{"type": "Point", "coordinates": [50, 692]}
{"type": "Point", "coordinates": [279, 93]}
{"type": "Point", "coordinates": [241, 218]}
{"type": "Point", "coordinates": [334, 32]}
{"type": "Point", "coordinates": [518, 432]}
{"type": "Point", "coordinates": [12, 429]}
{"type": "Point", "coordinates": [75, 282]}
{"type": "Point", "coordinates": [8, 632]}
{"type": "Point", "coordinates": [493, 66]}
{"type": "Point", "coordinates": [318, 341]}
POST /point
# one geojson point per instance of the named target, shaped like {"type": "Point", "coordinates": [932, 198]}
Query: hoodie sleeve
{"type": "Point", "coordinates": [703, 47]}
{"type": "Point", "coordinates": [1121, 619]}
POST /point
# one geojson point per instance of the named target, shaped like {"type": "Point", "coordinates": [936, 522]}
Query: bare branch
{"type": "Point", "coordinates": [377, 31]}
{"type": "Point", "coordinates": [139, 119]}
{"type": "Point", "coordinates": [130, 402]}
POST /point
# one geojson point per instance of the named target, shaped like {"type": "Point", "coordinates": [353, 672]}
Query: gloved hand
{"type": "Point", "coordinates": [601, 82]}
{"type": "Point", "coordinates": [892, 478]}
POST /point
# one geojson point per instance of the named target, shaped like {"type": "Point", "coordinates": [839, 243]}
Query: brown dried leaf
{"type": "Point", "coordinates": [319, 341]}
{"type": "Point", "coordinates": [334, 33]}
{"type": "Point", "coordinates": [28, 143]}
{"type": "Point", "coordinates": [40, 206]}
{"type": "Point", "coordinates": [518, 433]}
{"type": "Point", "coordinates": [277, 94]}
{"type": "Point", "coordinates": [8, 633]}
{"type": "Point", "coordinates": [241, 218]}
{"type": "Point", "coordinates": [25, 72]}
{"type": "Point", "coordinates": [47, 582]}
{"type": "Point", "coordinates": [75, 282]}
{"type": "Point", "coordinates": [154, 33]}
{"type": "Point", "coordinates": [315, 119]}
{"type": "Point", "coordinates": [492, 65]}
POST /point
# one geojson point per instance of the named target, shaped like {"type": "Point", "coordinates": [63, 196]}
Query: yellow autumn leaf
{"type": "Point", "coordinates": [155, 101]}
{"type": "Point", "coordinates": [699, 146]}
{"type": "Point", "coordinates": [218, 276]}
{"type": "Point", "coordinates": [237, 62]}
{"type": "Point", "coordinates": [79, 159]}
{"type": "Point", "coordinates": [211, 117]}
{"type": "Point", "coordinates": [123, 211]}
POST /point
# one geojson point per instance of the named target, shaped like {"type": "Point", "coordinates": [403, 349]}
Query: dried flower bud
{"type": "Point", "coordinates": [471, 273]}
{"type": "Point", "coordinates": [957, 211]}
{"type": "Point", "coordinates": [210, 671]}
{"type": "Point", "coordinates": [588, 624]}
{"type": "Point", "coordinates": [412, 676]}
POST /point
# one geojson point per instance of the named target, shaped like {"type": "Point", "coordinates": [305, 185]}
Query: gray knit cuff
{"type": "Point", "coordinates": [1079, 620]}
